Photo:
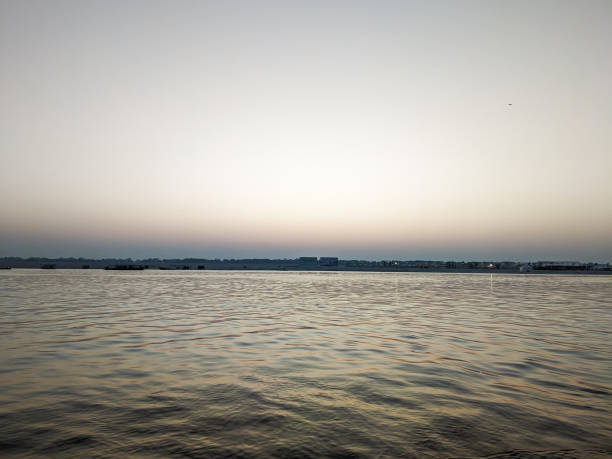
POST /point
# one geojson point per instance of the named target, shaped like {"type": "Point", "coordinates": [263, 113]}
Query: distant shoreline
{"type": "Point", "coordinates": [343, 269]}
{"type": "Point", "coordinates": [314, 264]}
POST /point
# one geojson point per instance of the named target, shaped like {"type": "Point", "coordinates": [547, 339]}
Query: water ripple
{"type": "Point", "coordinates": [271, 364]}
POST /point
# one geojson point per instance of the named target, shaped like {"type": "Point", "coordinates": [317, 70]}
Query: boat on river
{"type": "Point", "coordinates": [125, 268]}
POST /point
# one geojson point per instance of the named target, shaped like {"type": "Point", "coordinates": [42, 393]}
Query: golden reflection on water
{"type": "Point", "coordinates": [308, 364]}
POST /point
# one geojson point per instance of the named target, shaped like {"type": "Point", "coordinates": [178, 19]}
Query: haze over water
{"type": "Point", "coordinates": [200, 364]}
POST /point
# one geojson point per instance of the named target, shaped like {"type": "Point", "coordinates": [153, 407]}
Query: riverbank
{"type": "Point", "coordinates": [335, 269]}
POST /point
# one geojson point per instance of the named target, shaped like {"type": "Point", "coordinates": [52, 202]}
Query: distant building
{"type": "Point", "coordinates": [308, 261]}
{"type": "Point", "coordinates": [328, 261]}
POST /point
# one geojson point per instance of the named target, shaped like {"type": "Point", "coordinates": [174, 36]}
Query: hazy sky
{"type": "Point", "coordinates": [375, 129]}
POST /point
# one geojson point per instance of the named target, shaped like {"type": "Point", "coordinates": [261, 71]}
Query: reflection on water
{"type": "Point", "coordinates": [304, 364]}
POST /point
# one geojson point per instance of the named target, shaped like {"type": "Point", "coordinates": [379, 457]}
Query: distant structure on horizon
{"type": "Point", "coordinates": [562, 265]}
{"type": "Point", "coordinates": [328, 261]}
{"type": "Point", "coordinates": [321, 261]}
{"type": "Point", "coordinates": [308, 261]}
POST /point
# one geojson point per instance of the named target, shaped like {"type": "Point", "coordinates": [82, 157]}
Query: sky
{"type": "Point", "coordinates": [360, 129]}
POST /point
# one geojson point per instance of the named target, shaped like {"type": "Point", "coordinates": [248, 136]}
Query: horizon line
{"type": "Point", "coordinates": [220, 259]}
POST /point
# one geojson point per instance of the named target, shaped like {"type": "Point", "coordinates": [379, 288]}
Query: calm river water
{"type": "Point", "coordinates": [304, 364]}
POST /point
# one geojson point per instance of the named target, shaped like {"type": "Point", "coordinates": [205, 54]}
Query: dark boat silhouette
{"type": "Point", "coordinates": [125, 268]}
